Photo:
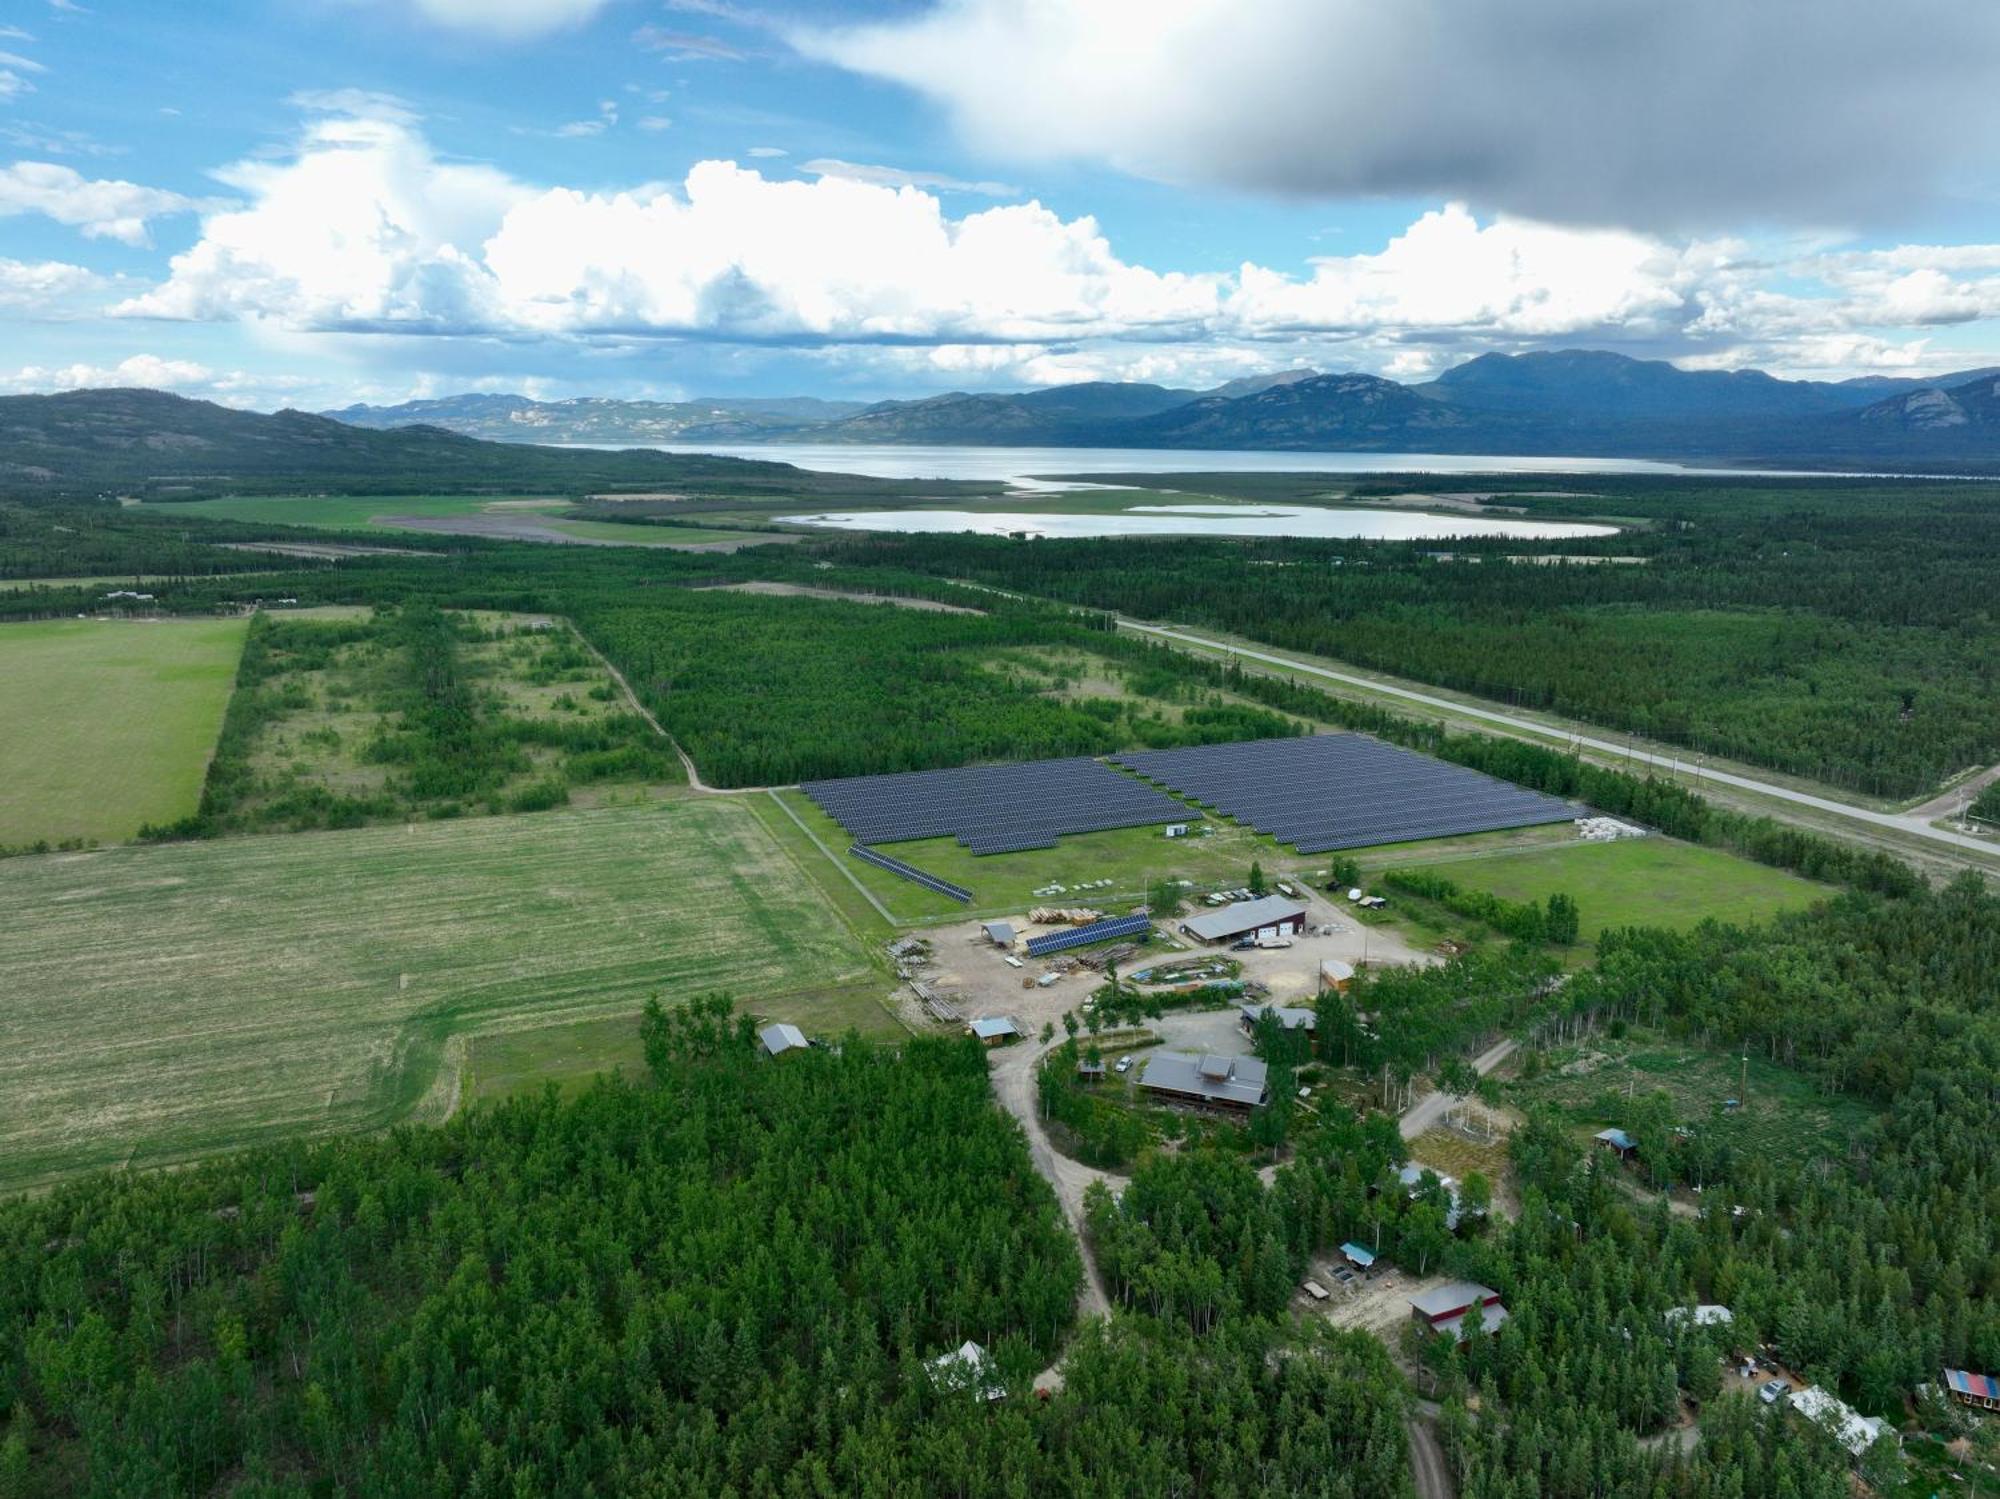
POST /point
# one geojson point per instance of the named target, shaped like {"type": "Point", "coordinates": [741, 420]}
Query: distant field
{"type": "Point", "coordinates": [109, 723]}
{"type": "Point", "coordinates": [174, 1001]}
{"type": "Point", "coordinates": [1641, 882]}
{"type": "Point", "coordinates": [348, 513]}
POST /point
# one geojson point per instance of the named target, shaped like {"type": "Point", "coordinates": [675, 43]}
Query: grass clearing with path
{"type": "Point", "coordinates": [109, 723]}
{"type": "Point", "coordinates": [365, 513]}
{"type": "Point", "coordinates": [174, 1001]}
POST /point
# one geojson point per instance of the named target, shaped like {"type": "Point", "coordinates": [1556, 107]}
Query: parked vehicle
{"type": "Point", "coordinates": [1773, 1390]}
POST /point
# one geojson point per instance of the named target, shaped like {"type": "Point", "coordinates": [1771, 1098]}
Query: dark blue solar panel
{"type": "Point", "coordinates": [1083, 936]}
{"type": "Point", "coordinates": [1335, 791]}
{"type": "Point", "coordinates": [993, 808]}
{"type": "Point", "coordinates": [913, 874]}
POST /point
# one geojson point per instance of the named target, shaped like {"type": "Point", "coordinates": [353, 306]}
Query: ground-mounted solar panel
{"type": "Point", "coordinates": [1083, 936]}
{"type": "Point", "coordinates": [993, 808]}
{"type": "Point", "coordinates": [913, 874]}
{"type": "Point", "coordinates": [1324, 792]}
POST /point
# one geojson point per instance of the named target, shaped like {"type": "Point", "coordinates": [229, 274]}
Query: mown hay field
{"type": "Point", "coordinates": [166, 1002]}
{"type": "Point", "coordinates": [109, 723]}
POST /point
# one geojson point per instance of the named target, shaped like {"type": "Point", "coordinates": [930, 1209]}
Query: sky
{"type": "Point", "coordinates": [313, 202]}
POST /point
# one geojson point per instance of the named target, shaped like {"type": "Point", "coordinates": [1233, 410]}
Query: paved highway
{"type": "Point", "coordinates": [1900, 822]}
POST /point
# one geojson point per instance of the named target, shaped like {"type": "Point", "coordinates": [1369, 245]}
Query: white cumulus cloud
{"type": "Point", "coordinates": [363, 229]}
{"type": "Point", "coordinates": [36, 285]}
{"type": "Point", "coordinates": [101, 208]}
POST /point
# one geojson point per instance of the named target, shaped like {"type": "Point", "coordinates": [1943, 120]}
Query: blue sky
{"type": "Point", "coordinates": [313, 201]}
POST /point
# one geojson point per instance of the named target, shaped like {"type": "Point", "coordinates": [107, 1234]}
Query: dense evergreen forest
{"type": "Point", "coordinates": [1845, 632]}
{"type": "Point", "coordinates": [732, 1278]}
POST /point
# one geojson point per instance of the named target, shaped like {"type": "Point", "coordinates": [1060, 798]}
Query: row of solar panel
{"type": "Point", "coordinates": [993, 808]}
{"type": "Point", "coordinates": [1336, 791]}
{"type": "Point", "coordinates": [915, 875]}
{"type": "Point", "coordinates": [1083, 936]}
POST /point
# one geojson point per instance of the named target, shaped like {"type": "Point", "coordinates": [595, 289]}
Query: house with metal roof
{"type": "Point", "coordinates": [1290, 1017]}
{"type": "Point", "coordinates": [1458, 1307]}
{"type": "Point", "coordinates": [779, 1039]}
{"type": "Point", "coordinates": [1336, 974]}
{"type": "Point", "coordinates": [1618, 1142]}
{"type": "Point", "coordinates": [1839, 1420]}
{"type": "Point", "coordinates": [1214, 1081]}
{"type": "Point", "coordinates": [1981, 1390]}
{"type": "Point", "coordinates": [1705, 1315]}
{"type": "Point", "coordinates": [966, 1368]}
{"type": "Point", "coordinates": [1248, 918]}
{"type": "Point", "coordinates": [995, 1030]}
{"type": "Point", "coordinates": [1357, 1256]}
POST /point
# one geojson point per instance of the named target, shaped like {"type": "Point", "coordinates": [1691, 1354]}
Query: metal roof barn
{"type": "Point", "coordinates": [1240, 918]}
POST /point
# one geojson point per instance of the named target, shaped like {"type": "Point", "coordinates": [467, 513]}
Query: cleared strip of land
{"type": "Point", "coordinates": [168, 1002]}
{"type": "Point", "coordinates": [109, 723]}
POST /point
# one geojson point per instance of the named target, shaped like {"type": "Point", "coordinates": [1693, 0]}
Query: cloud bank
{"type": "Point", "coordinates": [1677, 117]}
{"type": "Point", "coordinates": [364, 229]}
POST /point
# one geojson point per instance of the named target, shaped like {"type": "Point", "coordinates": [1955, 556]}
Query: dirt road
{"type": "Point", "coordinates": [1430, 1109]}
{"type": "Point", "coordinates": [1427, 1464]}
{"type": "Point", "coordinates": [1014, 1086]}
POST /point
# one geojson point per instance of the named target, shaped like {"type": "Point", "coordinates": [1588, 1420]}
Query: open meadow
{"type": "Point", "coordinates": [374, 513]}
{"type": "Point", "coordinates": [1652, 881]}
{"type": "Point", "coordinates": [109, 723]}
{"type": "Point", "coordinates": [174, 1001]}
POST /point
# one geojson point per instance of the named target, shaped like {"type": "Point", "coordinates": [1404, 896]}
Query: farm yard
{"type": "Point", "coordinates": [110, 723]}
{"type": "Point", "coordinates": [171, 1002]}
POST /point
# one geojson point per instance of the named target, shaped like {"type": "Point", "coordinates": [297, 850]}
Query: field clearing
{"type": "Point", "coordinates": [367, 513]}
{"type": "Point", "coordinates": [1650, 881]}
{"type": "Point", "coordinates": [109, 723]}
{"type": "Point", "coordinates": [1784, 1116]}
{"type": "Point", "coordinates": [175, 1001]}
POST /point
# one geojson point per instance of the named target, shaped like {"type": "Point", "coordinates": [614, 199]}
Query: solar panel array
{"type": "Point", "coordinates": [1083, 936]}
{"type": "Point", "coordinates": [913, 874]}
{"type": "Point", "coordinates": [1332, 791]}
{"type": "Point", "coordinates": [993, 809]}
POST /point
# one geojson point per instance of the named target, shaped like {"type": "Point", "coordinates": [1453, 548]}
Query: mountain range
{"type": "Point", "coordinates": [1577, 401]}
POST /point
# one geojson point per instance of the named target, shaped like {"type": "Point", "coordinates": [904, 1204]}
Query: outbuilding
{"type": "Point", "coordinates": [1336, 974]}
{"type": "Point", "coordinates": [1618, 1143]}
{"type": "Point", "coordinates": [1001, 934]}
{"type": "Point", "coordinates": [967, 1369]}
{"type": "Point", "coordinates": [1458, 1306]}
{"type": "Point", "coordinates": [1854, 1432]}
{"type": "Point", "coordinates": [1290, 1018]}
{"type": "Point", "coordinates": [995, 1030]}
{"type": "Point", "coordinates": [779, 1039]}
{"type": "Point", "coordinates": [1272, 916]}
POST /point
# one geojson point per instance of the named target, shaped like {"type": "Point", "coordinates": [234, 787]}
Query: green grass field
{"type": "Point", "coordinates": [350, 513]}
{"type": "Point", "coordinates": [173, 1001]}
{"type": "Point", "coordinates": [109, 723]}
{"type": "Point", "coordinates": [1640, 882]}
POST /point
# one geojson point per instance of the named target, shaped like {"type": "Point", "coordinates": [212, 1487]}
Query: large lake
{"type": "Point", "coordinates": [900, 462]}
{"type": "Point", "coordinates": [1209, 519]}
